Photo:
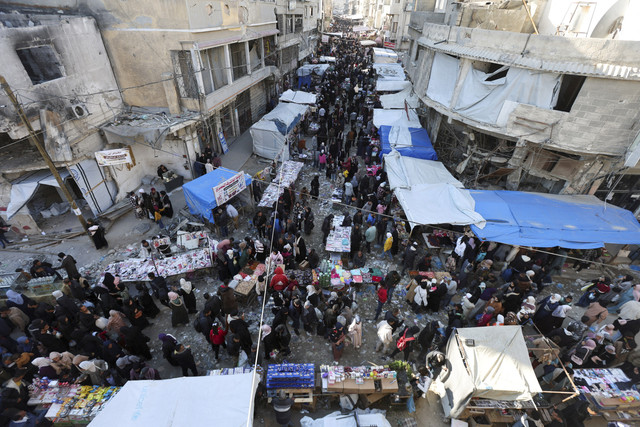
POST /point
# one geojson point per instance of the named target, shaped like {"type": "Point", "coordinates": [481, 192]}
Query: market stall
{"type": "Point", "coordinates": [408, 119]}
{"type": "Point", "coordinates": [610, 393]}
{"type": "Point", "coordinates": [205, 193]}
{"type": "Point", "coordinates": [70, 404]}
{"type": "Point", "coordinates": [298, 97]}
{"type": "Point", "coordinates": [184, 401]}
{"type": "Point", "coordinates": [287, 175]}
{"type": "Point", "coordinates": [408, 141]}
{"type": "Point", "coordinates": [308, 71]}
{"type": "Point", "coordinates": [400, 100]}
{"type": "Point", "coordinates": [271, 133]}
{"type": "Point", "coordinates": [405, 172]}
{"type": "Point", "coordinates": [384, 56]}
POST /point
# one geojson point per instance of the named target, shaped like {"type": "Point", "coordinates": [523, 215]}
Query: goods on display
{"type": "Point", "coordinates": [358, 379]}
{"type": "Point", "coordinates": [339, 239]}
{"type": "Point", "coordinates": [191, 240]}
{"type": "Point", "coordinates": [132, 270]}
{"type": "Point", "coordinates": [287, 175]}
{"type": "Point", "coordinates": [42, 285]}
{"type": "Point", "coordinates": [291, 375]}
{"type": "Point", "coordinates": [235, 371]}
{"type": "Point", "coordinates": [161, 242]}
{"type": "Point", "coordinates": [184, 263]}
{"type": "Point", "coordinates": [607, 386]}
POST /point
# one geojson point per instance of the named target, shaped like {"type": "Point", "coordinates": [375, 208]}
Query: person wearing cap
{"type": "Point", "coordinates": [386, 249]}
{"type": "Point", "coordinates": [282, 407]}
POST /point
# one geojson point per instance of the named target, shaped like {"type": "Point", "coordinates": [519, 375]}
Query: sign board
{"type": "Point", "coordinates": [119, 156]}
{"type": "Point", "coordinates": [325, 39]}
{"type": "Point", "coordinates": [223, 142]}
{"type": "Point", "coordinates": [390, 45]}
{"type": "Point", "coordinates": [230, 188]}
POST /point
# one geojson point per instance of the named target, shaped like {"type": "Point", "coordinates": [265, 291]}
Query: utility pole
{"type": "Point", "coordinates": [34, 139]}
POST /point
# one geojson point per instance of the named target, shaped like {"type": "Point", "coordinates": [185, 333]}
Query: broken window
{"type": "Point", "coordinates": [214, 73]}
{"type": "Point", "coordinates": [185, 75]}
{"type": "Point", "coordinates": [41, 63]}
{"type": "Point", "coordinates": [238, 60]}
{"type": "Point", "coordinates": [298, 23]}
{"type": "Point", "coordinates": [569, 90]}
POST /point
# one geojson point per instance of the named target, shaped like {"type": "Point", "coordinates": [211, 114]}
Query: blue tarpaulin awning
{"type": "Point", "coordinates": [199, 193]}
{"type": "Point", "coordinates": [409, 142]}
{"type": "Point", "coordinates": [547, 220]}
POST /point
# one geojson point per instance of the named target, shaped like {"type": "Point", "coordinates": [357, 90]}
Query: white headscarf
{"type": "Point", "coordinates": [561, 311]}
{"type": "Point", "coordinates": [186, 286]}
{"type": "Point", "coordinates": [14, 297]}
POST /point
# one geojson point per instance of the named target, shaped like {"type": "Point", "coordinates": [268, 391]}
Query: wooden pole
{"type": "Point", "coordinates": [34, 139]}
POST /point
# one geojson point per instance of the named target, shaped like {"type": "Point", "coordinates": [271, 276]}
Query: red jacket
{"type": "Point", "coordinates": [382, 294]}
{"type": "Point", "coordinates": [217, 339]}
{"type": "Point", "coordinates": [279, 276]}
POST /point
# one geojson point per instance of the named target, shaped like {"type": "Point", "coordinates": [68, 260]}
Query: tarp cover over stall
{"type": "Point", "coordinates": [394, 101]}
{"type": "Point", "coordinates": [497, 367]}
{"type": "Point", "coordinates": [395, 118]}
{"type": "Point", "coordinates": [384, 56]}
{"type": "Point", "coordinates": [24, 187]}
{"type": "Point", "coordinates": [428, 204]}
{"type": "Point", "coordinates": [181, 402]}
{"type": "Point", "coordinates": [405, 172]}
{"type": "Point", "coordinates": [392, 85]}
{"type": "Point", "coordinates": [547, 220]}
{"type": "Point", "coordinates": [305, 72]}
{"type": "Point", "coordinates": [199, 193]}
{"type": "Point", "coordinates": [298, 97]}
{"type": "Point", "coordinates": [388, 72]}
{"type": "Point", "coordinates": [408, 141]}
{"type": "Point", "coordinates": [270, 132]}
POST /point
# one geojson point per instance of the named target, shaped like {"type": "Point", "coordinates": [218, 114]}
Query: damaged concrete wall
{"type": "Point", "coordinates": [501, 15]}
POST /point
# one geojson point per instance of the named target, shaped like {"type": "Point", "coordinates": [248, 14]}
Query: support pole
{"type": "Point", "coordinates": [34, 139]}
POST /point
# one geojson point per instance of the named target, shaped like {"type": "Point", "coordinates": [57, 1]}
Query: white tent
{"type": "Point", "coordinates": [388, 72]}
{"type": "Point", "coordinates": [491, 362]}
{"type": "Point", "coordinates": [307, 69]}
{"type": "Point", "coordinates": [185, 401]}
{"type": "Point", "coordinates": [327, 59]}
{"type": "Point", "coordinates": [392, 85]}
{"type": "Point", "coordinates": [405, 172]}
{"type": "Point", "coordinates": [360, 28]}
{"type": "Point", "coordinates": [394, 101]}
{"type": "Point", "coordinates": [298, 97]}
{"type": "Point", "coordinates": [367, 43]}
{"type": "Point", "coordinates": [395, 118]}
{"type": "Point", "coordinates": [384, 56]}
{"type": "Point", "coordinates": [438, 204]}
{"type": "Point", "coordinates": [269, 133]}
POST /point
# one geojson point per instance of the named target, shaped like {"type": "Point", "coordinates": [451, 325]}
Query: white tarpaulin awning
{"type": "Point", "coordinates": [490, 363]}
{"type": "Point", "coordinates": [298, 97]}
{"type": "Point", "coordinates": [367, 43]}
{"type": "Point", "coordinates": [327, 59]}
{"type": "Point", "coordinates": [369, 417]}
{"type": "Point", "coordinates": [454, 206]}
{"type": "Point", "coordinates": [308, 69]}
{"type": "Point", "coordinates": [384, 56]}
{"type": "Point", "coordinates": [405, 172]}
{"type": "Point", "coordinates": [392, 85]}
{"type": "Point", "coordinates": [395, 118]}
{"type": "Point", "coordinates": [23, 188]}
{"type": "Point", "coordinates": [393, 101]}
{"type": "Point", "coordinates": [443, 78]}
{"type": "Point", "coordinates": [388, 72]}
{"type": "Point", "coordinates": [360, 28]}
{"type": "Point", "coordinates": [181, 402]}
{"type": "Point", "coordinates": [270, 132]}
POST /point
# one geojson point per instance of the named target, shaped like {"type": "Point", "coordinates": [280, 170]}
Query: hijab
{"type": "Point", "coordinates": [14, 297]}
{"type": "Point", "coordinates": [561, 311]}
{"type": "Point", "coordinates": [186, 286]}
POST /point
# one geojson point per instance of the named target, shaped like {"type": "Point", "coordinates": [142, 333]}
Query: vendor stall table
{"type": "Point", "coordinates": [176, 182]}
{"type": "Point", "coordinates": [287, 175]}
{"type": "Point", "coordinates": [371, 382]}
{"type": "Point", "coordinates": [609, 393]}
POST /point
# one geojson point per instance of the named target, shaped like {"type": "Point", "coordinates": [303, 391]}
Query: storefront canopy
{"type": "Point", "coordinates": [395, 118]}
{"type": "Point", "coordinates": [408, 141]}
{"type": "Point", "coordinates": [199, 193]}
{"type": "Point", "coordinates": [270, 132]}
{"type": "Point", "coordinates": [392, 85]}
{"type": "Point", "coordinates": [390, 72]}
{"type": "Point", "coordinates": [490, 363]}
{"type": "Point", "coordinates": [181, 402]}
{"type": "Point", "coordinates": [298, 97]}
{"type": "Point", "coordinates": [395, 101]}
{"type": "Point", "coordinates": [367, 43]}
{"type": "Point", "coordinates": [309, 69]}
{"type": "Point", "coordinates": [384, 56]}
{"type": "Point", "coordinates": [429, 204]}
{"type": "Point", "coordinates": [547, 220]}
{"type": "Point", "coordinates": [405, 172]}
{"type": "Point", "coordinates": [23, 188]}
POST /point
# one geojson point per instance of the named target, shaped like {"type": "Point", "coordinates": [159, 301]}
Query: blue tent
{"type": "Point", "coordinates": [547, 220]}
{"type": "Point", "coordinates": [199, 193]}
{"type": "Point", "coordinates": [410, 142]}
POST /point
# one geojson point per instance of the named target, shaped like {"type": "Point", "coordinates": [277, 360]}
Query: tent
{"type": "Point", "coordinates": [361, 28]}
{"type": "Point", "coordinates": [298, 97]}
{"type": "Point", "coordinates": [405, 172]}
{"type": "Point", "coordinates": [270, 132]}
{"type": "Point", "coordinates": [390, 72]}
{"type": "Point", "coordinates": [367, 43]}
{"type": "Point", "coordinates": [490, 363]}
{"type": "Point", "coordinates": [547, 220]}
{"type": "Point", "coordinates": [397, 100]}
{"type": "Point", "coordinates": [438, 204]}
{"type": "Point", "coordinates": [408, 141]}
{"type": "Point", "coordinates": [305, 72]}
{"type": "Point", "coordinates": [392, 85]}
{"type": "Point", "coordinates": [327, 59]}
{"type": "Point", "coordinates": [384, 56]}
{"type": "Point", "coordinates": [181, 402]}
{"type": "Point", "coordinates": [199, 193]}
{"type": "Point", "coordinates": [395, 118]}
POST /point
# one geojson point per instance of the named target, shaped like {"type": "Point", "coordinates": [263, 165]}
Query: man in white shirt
{"type": "Point", "coordinates": [233, 214]}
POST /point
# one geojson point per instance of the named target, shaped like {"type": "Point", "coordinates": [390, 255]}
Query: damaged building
{"type": "Point", "coordinates": [534, 95]}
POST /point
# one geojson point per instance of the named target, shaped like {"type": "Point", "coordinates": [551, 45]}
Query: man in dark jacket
{"type": "Point", "coordinates": [159, 286]}
{"type": "Point", "coordinates": [182, 355]}
{"type": "Point", "coordinates": [69, 264]}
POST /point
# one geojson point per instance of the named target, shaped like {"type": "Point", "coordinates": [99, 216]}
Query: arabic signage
{"type": "Point", "coordinates": [119, 156]}
{"type": "Point", "coordinates": [230, 188]}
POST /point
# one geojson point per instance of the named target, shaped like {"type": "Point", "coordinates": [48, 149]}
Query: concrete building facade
{"type": "Point", "coordinates": [548, 112]}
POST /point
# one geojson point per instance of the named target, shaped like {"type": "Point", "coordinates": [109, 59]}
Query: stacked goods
{"type": "Point", "coordinates": [290, 375]}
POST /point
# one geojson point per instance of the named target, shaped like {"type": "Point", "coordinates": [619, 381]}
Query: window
{"type": "Point", "coordinates": [394, 27]}
{"type": "Point", "coordinates": [185, 76]}
{"type": "Point", "coordinates": [270, 54]}
{"type": "Point", "coordinates": [290, 22]}
{"type": "Point", "coordinates": [238, 60]}
{"type": "Point", "coordinates": [280, 23]}
{"type": "Point", "coordinates": [255, 54]}
{"type": "Point", "coordinates": [418, 49]}
{"type": "Point", "coordinates": [214, 75]}
{"type": "Point", "coordinates": [298, 23]}
{"type": "Point", "coordinates": [41, 63]}
{"type": "Point", "coordinates": [569, 90]}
